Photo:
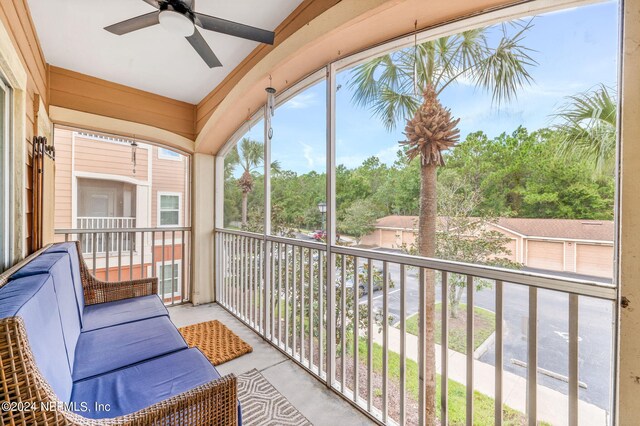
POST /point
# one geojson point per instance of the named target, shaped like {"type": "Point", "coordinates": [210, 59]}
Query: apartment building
{"type": "Point", "coordinates": [105, 182]}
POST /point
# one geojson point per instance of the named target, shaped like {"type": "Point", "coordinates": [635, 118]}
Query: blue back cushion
{"type": "Point", "coordinates": [72, 250]}
{"type": "Point", "coordinates": [33, 299]}
{"type": "Point", "coordinates": [57, 265]}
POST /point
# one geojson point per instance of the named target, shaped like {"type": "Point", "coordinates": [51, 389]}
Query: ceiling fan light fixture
{"type": "Point", "coordinates": [176, 23]}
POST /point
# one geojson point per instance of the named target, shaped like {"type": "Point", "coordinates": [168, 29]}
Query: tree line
{"type": "Point", "coordinates": [517, 174]}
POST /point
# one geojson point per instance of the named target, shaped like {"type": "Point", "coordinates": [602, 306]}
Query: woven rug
{"type": "Point", "coordinates": [215, 340]}
{"type": "Point", "coordinates": [263, 405]}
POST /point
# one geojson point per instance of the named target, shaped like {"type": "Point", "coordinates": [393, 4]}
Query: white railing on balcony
{"type": "Point", "coordinates": [139, 253]}
{"type": "Point", "coordinates": [100, 244]}
{"type": "Point", "coordinates": [278, 287]}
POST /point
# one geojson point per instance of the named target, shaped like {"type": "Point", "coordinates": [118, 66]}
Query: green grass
{"type": "Point", "coordinates": [484, 325]}
{"type": "Point", "coordinates": [483, 413]}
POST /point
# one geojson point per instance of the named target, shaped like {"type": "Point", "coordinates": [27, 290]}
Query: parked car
{"type": "Point", "coordinates": [362, 281]}
{"type": "Point", "coordinates": [320, 235]}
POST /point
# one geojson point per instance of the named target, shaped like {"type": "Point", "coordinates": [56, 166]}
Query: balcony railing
{"type": "Point", "coordinates": [100, 244]}
{"type": "Point", "coordinates": [363, 347]}
{"type": "Point", "coordinates": [138, 253]}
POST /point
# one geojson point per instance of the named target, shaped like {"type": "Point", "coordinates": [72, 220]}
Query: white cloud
{"type": "Point", "coordinates": [301, 101]}
{"type": "Point", "coordinates": [307, 152]}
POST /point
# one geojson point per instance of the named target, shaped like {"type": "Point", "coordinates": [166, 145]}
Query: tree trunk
{"type": "Point", "coordinates": [455, 294]}
{"type": "Point", "coordinates": [454, 304]}
{"type": "Point", "coordinates": [427, 248]}
{"type": "Point", "coordinates": [245, 198]}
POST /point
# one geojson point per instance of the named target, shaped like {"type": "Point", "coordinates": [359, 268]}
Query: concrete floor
{"type": "Point", "coordinates": [311, 397]}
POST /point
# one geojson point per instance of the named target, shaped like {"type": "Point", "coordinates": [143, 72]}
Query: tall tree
{"type": "Point", "coordinates": [389, 85]}
{"type": "Point", "coordinates": [248, 154]}
{"type": "Point", "coordinates": [588, 124]}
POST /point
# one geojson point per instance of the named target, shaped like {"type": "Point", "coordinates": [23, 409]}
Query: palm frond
{"type": "Point", "coordinates": [364, 81]}
{"type": "Point", "coordinates": [251, 154]}
{"type": "Point", "coordinates": [505, 69]}
{"type": "Point", "coordinates": [392, 107]}
{"type": "Point", "coordinates": [387, 84]}
{"type": "Point", "coordinates": [587, 124]}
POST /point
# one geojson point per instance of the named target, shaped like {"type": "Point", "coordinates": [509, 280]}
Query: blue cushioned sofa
{"type": "Point", "coordinates": [77, 350]}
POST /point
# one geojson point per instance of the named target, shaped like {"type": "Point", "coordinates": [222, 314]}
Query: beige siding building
{"type": "Point", "coordinates": [579, 246]}
{"type": "Point", "coordinates": [99, 187]}
{"type": "Point", "coordinates": [96, 183]}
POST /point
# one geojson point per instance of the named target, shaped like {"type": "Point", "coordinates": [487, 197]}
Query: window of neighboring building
{"type": "Point", "coordinates": [169, 283]}
{"type": "Point", "coordinates": [6, 167]}
{"type": "Point", "coordinates": [167, 154]}
{"type": "Point", "coordinates": [168, 209]}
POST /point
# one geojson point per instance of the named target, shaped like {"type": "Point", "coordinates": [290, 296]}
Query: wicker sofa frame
{"type": "Point", "coordinates": [27, 399]}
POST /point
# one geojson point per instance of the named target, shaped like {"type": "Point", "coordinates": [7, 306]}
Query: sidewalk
{"type": "Point", "coordinates": [552, 405]}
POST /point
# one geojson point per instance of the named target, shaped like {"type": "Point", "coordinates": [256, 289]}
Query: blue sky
{"type": "Point", "coordinates": [576, 49]}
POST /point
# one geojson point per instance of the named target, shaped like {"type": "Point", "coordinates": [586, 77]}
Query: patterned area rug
{"type": "Point", "coordinates": [215, 340]}
{"type": "Point", "coordinates": [263, 405]}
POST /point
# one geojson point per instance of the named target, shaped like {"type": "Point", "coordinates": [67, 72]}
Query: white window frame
{"type": "Point", "coordinates": [159, 208]}
{"type": "Point", "coordinates": [177, 265]}
{"type": "Point", "coordinates": [162, 154]}
{"type": "Point", "coordinates": [6, 169]}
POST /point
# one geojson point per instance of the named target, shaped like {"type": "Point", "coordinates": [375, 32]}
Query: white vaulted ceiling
{"type": "Point", "coordinates": [72, 36]}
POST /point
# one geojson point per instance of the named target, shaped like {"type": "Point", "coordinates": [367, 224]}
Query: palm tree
{"type": "Point", "coordinates": [588, 128]}
{"type": "Point", "coordinates": [391, 85]}
{"type": "Point", "coordinates": [249, 156]}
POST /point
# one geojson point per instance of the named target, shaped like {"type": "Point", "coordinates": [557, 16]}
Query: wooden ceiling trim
{"type": "Point", "coordinates": [80, 92]}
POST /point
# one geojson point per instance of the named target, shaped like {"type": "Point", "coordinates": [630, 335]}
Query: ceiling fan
{"type": "Point", "coordinates": [178, 17]}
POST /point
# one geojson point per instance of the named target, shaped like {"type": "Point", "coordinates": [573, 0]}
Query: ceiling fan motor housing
{"type": "Point", "coordinates": [176, 22]}
{"type": "Point", "coordinates": [178, 17]}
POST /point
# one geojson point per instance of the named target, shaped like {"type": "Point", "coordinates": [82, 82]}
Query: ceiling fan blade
{"type": "Point", "coordinates": [200, 45]}
{"type": "Point", "coordinates": [154, 3]}
{"type": "Point", "coordinates": [235, 29]}
{"type": "Point", "coordinates": [133, 24]}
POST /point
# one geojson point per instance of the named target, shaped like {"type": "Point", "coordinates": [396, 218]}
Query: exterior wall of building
{"type": "Point", "coordinates": [64, 179]}
{"type": "Point", "coordinates": [372, 239]}
{"type": "Point", "coordinates": [94, 156]}
{"type": "Point", "coordinates": [150, 268]}
{"type": "Point", "coordinates": [570, 255]}
{"type": "Point", "coordinates": [587, 258]}
{"type": "Point", "coordinates": [83, 157]}
{"type": "Point", "coordinates": [165, 180]}
{"type": "Point", "coordinates": [512, 246]}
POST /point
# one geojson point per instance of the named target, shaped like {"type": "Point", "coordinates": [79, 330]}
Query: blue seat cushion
{"type": "Point", "coordinates": [57, 265]}
{"type": "Point", "coordinates": [107, 349]}
{"type": "Point", "coordinates": [141, 385]}
{"type": "Point", "coordinates": [33, 299]}
{"type": "Point", "coordinates": [71, 249]}
{"type": "Point", "coordinates": [138, 386]}
{"type": "Point", "coordinates": [122, 311]}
